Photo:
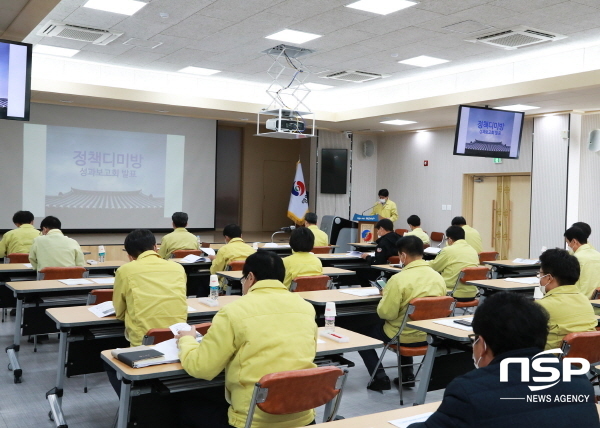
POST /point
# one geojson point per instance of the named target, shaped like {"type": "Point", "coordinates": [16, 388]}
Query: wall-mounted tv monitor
{"type": "Point", "coordinates": [334, 171]}
{"type": "Point", "coordinates": [15, 80]}
{"type": "Point", "coordinates": [487, 132]}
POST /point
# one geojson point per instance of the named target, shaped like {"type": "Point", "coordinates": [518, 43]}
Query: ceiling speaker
{"type": "Point", "coordinates": [368, 148]}
{"type": "Point", "coordinates": [594, 141]}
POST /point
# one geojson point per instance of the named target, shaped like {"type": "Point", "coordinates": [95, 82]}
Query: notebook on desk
{"type": "Point", "coordinates": [138, 356]}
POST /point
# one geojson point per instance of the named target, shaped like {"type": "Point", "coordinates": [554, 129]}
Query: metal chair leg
{"type": "Point", "coordinates": [35, 343]}
{"type": "Point", "coordinates": [385, 348]}
{"type": "Point", "coordinates": [85, 388]}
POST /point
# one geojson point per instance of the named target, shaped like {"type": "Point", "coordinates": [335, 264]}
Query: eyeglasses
{"type": "Point", "coordinates": [473, 338]}
{"type": "Point", "coordinates": [541, 274]}
{"type": "Point", "coordinates": [243, 279]}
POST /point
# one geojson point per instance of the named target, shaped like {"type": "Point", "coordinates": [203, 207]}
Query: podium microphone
{"type": "Point", "coordinates": [370, 208]}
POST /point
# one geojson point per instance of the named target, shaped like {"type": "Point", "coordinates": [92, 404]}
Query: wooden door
{"type": "Point", "coordinates": [278, 177]}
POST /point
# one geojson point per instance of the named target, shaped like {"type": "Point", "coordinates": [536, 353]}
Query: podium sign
{"type": "Point", "coordinates": [366, 227]}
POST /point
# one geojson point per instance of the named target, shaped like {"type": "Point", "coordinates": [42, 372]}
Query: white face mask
{"type": "Point", "coordinates": [543, 287]}
{"type": "Point", "coordinates": [476, 362]}
{"type": "Point", "coordinates": [402, 262]}
{"type": "Point", "coordinates": [383, 201]}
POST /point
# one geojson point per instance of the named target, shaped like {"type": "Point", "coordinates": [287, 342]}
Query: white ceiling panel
{"type": "Point", "coordinates": [395, 21]}
{"type": "Point", "coordinates": [140, 29]}
{"type": "Point", "coordinates": [185, 57]}
{"type": "Point", "coordinates": [178, 10]}
{"type": "Point", "coordinates": [137, 56]}
{"type": "Point", "coordinates": [400, 38]}
{"type": "Point", "coordinates": [449, 7]}
{"type": "Point", "coordinates": [197, 27]}
{"type": "Point", "coordinates": [238, 10]}
{"type": "Point", "coordinates": [94, 18]}
{"type": "Point", "coordinates": [332, 20]}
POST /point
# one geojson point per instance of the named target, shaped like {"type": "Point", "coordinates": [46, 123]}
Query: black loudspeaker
{"type": "Point", "coordinates": [334, 171]}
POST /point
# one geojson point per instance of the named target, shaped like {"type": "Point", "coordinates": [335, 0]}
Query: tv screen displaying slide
{"type": "Point", "coordinates": [487, 132]}
{"type": "Point", "coordinates": [15, 80]}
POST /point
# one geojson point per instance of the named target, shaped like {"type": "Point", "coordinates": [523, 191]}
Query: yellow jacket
{"type": "Point", "coordinates": [589, 262]}
{"type": "Point", "coordinates": [149, 293]}
{"type": "Point", "coordinates": [179, 239]}
{"type": "Point", "coordinates": [450, 261]}
{"type": "Point", "coordinates": [55, 250]}
{"type": "Point", "coordinates": [321, 238]}
{"type": "Point", "coordinates": [473, 238]}
{"type": "Point", "coordinates": [236, 249]}
{"type": "Point", "coordinates": [570, 312]}
{"type": "Point", "coordinates": [417, 279]}
{"type": "Point", "coordinates": [418, 232]}
{"type": "Point", "coordinates": [387, 210]}
{"type": "Point", "coordinates": [268, 330]}
{"type": "Point", "coordinates": [301, 264]}
{"type": "Point", "coordinates": [18, 240]}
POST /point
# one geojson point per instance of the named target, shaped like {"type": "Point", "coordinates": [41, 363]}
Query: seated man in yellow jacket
{"type": "Point", "coordinates": [268, 330]}
{"type": "Point", "coordinates": [417, 279]}
{"type": "Point", "coordinates": [569, 310]}
{"type": "Point", "coordinates": [472, 236]}
{"type": "Point", "coordinates": [454, 257]}
{"type": "Point", "coordinates": [301, 262]}
{"type": "Point", "coordinates": [179, 239]}
{"type": "Point", "coordinates": [385, 208]}
{"type": "Point", "coordinates": [19, 240]}
{"type": "Point", "coordinates": [53, 249]}
{"type": "Point", "coordinates": [235, 249]}
{"type": "Point", "coordinates": [588, 258]}
{"type": "Point", "coordinates": [414, 222]}
{"type": "Point", "coordinates": [321, 238]}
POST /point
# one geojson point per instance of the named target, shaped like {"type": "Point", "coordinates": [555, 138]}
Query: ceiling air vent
{"type": "Point", "coordinates": [516, 38]}
{"type": "Point", "coordinates": [354, 76]}
{"type": "Point", "coordinates": [76, 32]}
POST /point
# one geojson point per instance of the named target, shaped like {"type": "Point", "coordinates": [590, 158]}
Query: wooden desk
{"type": "Point", "coordinates": [492, 286]}
{"type": "Point", "coordinates": [79, 319]}
{"type": "Point", "coordinates": [130, 375]}
{"type": "Point", "coordinates": [321, 297]}
{"type": "Point", "coordinates": [387, 268]}
{"type": "Point", "coordinates": [595, 303]}
{"type": "Point", "coordinates": [343, 260]}
{"type": "Point", "coordinates": [502, 268]}
{"type": "Point", "coordinates": [236, 275]}
{"type": "Point", "coordinates": [381, 420]}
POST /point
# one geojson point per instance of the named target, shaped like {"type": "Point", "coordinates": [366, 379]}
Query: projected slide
{"type": "Point", "coordinates": [4, 51]}
{"type": "Point", "coordinates": [14, 81]}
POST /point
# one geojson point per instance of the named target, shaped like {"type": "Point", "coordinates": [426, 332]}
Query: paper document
{"type": "Point", "coordinates": [355, 253]}
{"type": "Point", "coordinates": [190, 309]}
{"type": "Point", "coordinates": [319, 341]}
{"type": "Point", "coordinates": [526, 280]}
{"type": "Point", "coordinates": [102, 310]}
{"type": "Point", "coordinates": [432, 250]}
{"type": "Point", "coordinates": [75, 281]}
{"type": "Point", "coordinates": [180, 326]}
{"type": "Point", "coordinates": [450, 323]}
{"type": "Point", "coordinates": [208, 251]}
{"type": "Point", "coordinates": [168, 348]}
{"type": "Point", "coordinates": [405, 422]}
{"type": "Point", "coordinates": [362, 292]}
{"type": "Point", "coordinates": [109, 280]}
{"type": "Point", "coordinates": [526, 261]}
{"type": "Point", "coordinates": [190, 258]}
{"type": "Point", "coordinates": [29, 265]}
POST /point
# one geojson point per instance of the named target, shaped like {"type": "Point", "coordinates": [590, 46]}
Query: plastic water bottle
{"type": "Point", "coordinates": [330, 317]}
{"type": "Point", "coordinates": [199, 239]}
{"type": "Point", "coordinates": [214, 288]}
{"type": "Point", "coordinates": [101, 253]}
{"type": "Point", "coordinates": [255, 245]}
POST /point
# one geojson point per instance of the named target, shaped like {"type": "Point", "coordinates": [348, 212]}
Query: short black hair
{"type": "Point", "coordinates": [232, 231]}
{"type": "Point", "coordinates": [23, 217]}
{"type": "Point", "coordinates": [384, 193]}
{"type": "Point", "coordinates": [264, 265]}
{"type": "Point", "coordinates": [458, 221]}
{"type": "Point", "coordinates": [414, 220]}
{"type": "Point", "coordinates": [138, 241]}
{"type": "Point", "coordinates": [50, 222]}
{"type": "Point", "coordinates": [576, 233]}
{"type": "Point", "coordinates": [311, 218]}
{"type": "Point", "coordinates": [302, 239]}
{"type": "Point", "coordinates": [509, 321]}
{"type": "Point", "coordinates": [455, 233]}
{"type": "Point", "coordinates": [585, 227]}
{"type": "Point", "coordinates": [561, 265]}
{"type": "Point", "coordinates": [180, 219]}
{"type": "Point", "coordinates": [385, 224]}
{"type": "Point", "coordinates": [411, 245]}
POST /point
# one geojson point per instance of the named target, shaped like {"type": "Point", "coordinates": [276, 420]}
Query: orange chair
{"type": "Point", "coordinates": [179, 254]}
{"type": "Point", "coordinates": [204, 245]}
{"type": "Point", "coordinates": [157, 335]}
{"type": "Point", "coordinates": [437, 237]}
{"type": "Point", "coordinates": [16, 258]}
{"type": "Point", "coordinates": [420, 308]}
{"type": "Point", "coordinates": [394, 260]}
{"type": "Point", "coordinates": [296, 391]}
{"type": "Point", "coordinates": [488, 256]}
{"type": "Point", "coordinates": [95, 297]}
{"type": "Point", "coordinates": [401, 232]}
{"type": "Point", "coordinates": [321, 250]}
{"type": "Point", "coordinates": [584, 345]}
{"type": "Point", "coordinates": [236, 265]}
{"type": "Point", "coordinates": [596, 294]}
{"type": "Point", "coordinates": [466, 275]}
{"type": "Point", "coordinates": [310, 283]}
{"type": "Point", "coordinates": [72, 272]}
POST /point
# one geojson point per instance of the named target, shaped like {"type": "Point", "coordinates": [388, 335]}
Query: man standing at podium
{"type": "Point", "coordinates": [385, 208]}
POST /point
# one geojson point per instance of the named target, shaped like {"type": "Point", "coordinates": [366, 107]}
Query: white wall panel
{"type": "Point", "coordinates": [589, 179]}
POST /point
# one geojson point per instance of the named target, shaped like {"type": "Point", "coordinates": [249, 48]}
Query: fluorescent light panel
{"type": "Point", "coordinates": [54, 50]}
{"type": "Point", "coordinates": [293, 36]}
{"type": "Point", "coordinates": [124, 7]}
{"type": "Point", "coordinates": [517, 107]}
{"type": "Point", "coordinates": [317, 86]}
{"type": "Point", "coordinates": [398, 122]}
{"type": "Point", "coordinates": [199, 71]}
{"type": "Point", "coordinates": [382, 7]}
{"type": "Point", "coordinates": [423, 61]}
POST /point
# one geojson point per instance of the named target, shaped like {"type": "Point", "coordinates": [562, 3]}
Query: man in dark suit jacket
{"type": "Point", "coordinates": [507, 325]}
{"type": "Point", "coordinates": [386, 248]}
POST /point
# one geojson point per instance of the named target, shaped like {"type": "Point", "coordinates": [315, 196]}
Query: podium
{"type": "Point", "coordinates": [366, 227]}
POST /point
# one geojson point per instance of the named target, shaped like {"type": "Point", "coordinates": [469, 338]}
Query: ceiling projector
{"type": "Point", "coordinates": [285, 125]}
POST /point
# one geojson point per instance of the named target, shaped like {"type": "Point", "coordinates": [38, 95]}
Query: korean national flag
{"type": "Point", "coordinates": [299, 198]}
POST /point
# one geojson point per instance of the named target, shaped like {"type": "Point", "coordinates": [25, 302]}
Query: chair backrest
{"type": "Point", "coordinates": [427, 308]}
{"type": "Point", "coordinates": [95, 297]}
{"type": "Point", "coordinates": [179, 254]}
{"type": "Point", "coordinates": [17, 258]}
{"type": "Point", "coordinates": [204, 245]}
{"type": "Point", "coordinates": [437, 236]}
{"type": "Point", "coordinates": [296, 391]}
{"type": "Point", "coordinates": [488, 256]}
{"type": "Point", "coordinates": [321, 250]}
{"type": "Point", "coordinates": [394, 260]}
{"type": "Point", "coordinates": [401, 232]}
{"type": "Point", "coordinates": [236, 265]}
{"type": "Point", "coordinates": [157, 335]}
{"type": "Point", "coordinates": [310, 283]}
{"type": "Point", "coordinates": [72, 272]}
{"type": "Point", "coordinates": [584, 345]}
{"type": "Point", "coordinates": [596, 294]}
{"type": "Point", "coordinates": [473, 274]}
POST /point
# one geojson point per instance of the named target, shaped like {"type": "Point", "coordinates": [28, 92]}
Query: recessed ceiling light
{"type": "Point", "coordinates": [293, 36]}
{"type": "Point", "coordinates": [423, 61]}
{"type": "Point", "coordinates": [517, 107]}
{"type": "Point", "coordinates": [398, 122]}
{"type": "Point", "coordinates": [199, 71]}
{"type": "Point", "coordinates": [317, 86]}
{"type": "Point", "coordinates": [124, 7]}
{"type": "Point", "coordinates": [382, 7]}
{"type": "Point", "coordinates": [54, 50]}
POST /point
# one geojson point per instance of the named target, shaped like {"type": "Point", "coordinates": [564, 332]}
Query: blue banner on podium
{"type": "Point", "coordinates": [358, 217]}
